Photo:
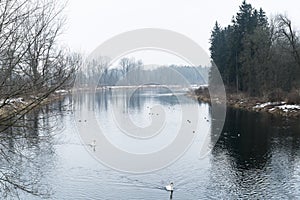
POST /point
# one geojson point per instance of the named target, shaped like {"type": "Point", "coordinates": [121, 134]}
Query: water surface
{"type": "Point", "coordinates": [256, 156]}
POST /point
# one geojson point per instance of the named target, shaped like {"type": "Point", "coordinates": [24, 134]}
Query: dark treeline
{"type": "Point", "coordinates": [130, 71]}
{"type": "Point", "coordinates": [257, 56]}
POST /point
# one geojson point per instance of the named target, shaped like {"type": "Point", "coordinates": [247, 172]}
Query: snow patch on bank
{"type": "Point", "coordinates": [12, 101]}
{"type": "Point", "coordinates": [61, 91]}
{"type": "Point", "coordinates": [279, 106]}
{"type": "Point", "coordinates": [286, 107]}
{"type": "Point", "coordinates": [263, 105]}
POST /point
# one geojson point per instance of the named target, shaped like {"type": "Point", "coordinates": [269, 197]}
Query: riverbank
{"type": "Point", "coordinates": [253, 104]}
{"type": "Point", "coordinates": [21, 105]}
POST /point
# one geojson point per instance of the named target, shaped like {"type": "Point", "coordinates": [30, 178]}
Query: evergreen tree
{"type": "Point", "coordinates": [242, 50]}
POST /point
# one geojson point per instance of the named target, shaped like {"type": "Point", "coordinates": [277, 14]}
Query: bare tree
{"type": "Point", "coordinates": [127, 64]}
{"type": "Point", "coordinates": [92, 72]}
{"type": "Point", "coordinates": [285, 33]}
{"type": "Point", "coordinates": [32, 67]}
{"type": "Point", "coordinates": [286, 53]}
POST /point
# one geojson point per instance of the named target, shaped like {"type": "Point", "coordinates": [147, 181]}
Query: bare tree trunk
{"type": "Point", "coordinates": [285, 30]}
{"type": "Point", "coordinates": [32, 67]}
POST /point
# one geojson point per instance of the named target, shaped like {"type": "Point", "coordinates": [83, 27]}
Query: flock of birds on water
{"type": "Point", "coordinates": [169, 187]}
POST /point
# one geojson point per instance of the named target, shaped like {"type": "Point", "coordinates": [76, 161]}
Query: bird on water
{"type": "Point", "coordinates": [93, 145]}
{"type": "Point", "coordinates": [170, 187]}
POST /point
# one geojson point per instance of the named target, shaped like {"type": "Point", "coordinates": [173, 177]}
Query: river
{"type": "Point", "coordinates": [257, 156]}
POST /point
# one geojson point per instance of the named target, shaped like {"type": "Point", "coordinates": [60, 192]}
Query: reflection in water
{"type": "Point", "coordinates": [171, 195]}
{"type": "Point", "coordinates": [140, 124]}
{"type": "Point", "coordinates": [134, 99]}
{"type": "Point", "coordinates": [257, 155]}
{"type": "Point", "coordinates": [27, 152]}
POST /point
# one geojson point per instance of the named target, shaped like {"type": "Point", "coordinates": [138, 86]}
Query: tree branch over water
{"type": "Point", "coordinates": [32, 68]}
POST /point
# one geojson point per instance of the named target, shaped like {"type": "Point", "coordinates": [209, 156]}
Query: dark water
{"type": "Point", "coordinates": [257, 155]}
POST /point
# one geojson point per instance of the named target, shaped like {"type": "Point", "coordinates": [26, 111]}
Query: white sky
{"type": "Point", "coordinates": [91, 22]}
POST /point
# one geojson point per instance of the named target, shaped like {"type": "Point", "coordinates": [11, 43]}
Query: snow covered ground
{"type": "Point", "coordinates": [287, 108]}
{"type": "Point", "coordinates": [263, 105]}
{"type": "Point", "coordinates": [272, 106]}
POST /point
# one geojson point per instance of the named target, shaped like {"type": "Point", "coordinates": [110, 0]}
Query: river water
{"type": "Point", "coordinates": [257, 156]}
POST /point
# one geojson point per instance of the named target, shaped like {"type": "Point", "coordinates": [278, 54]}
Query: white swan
{"type": "Point", "coordinates": [93, 145]}
{"type": "Point", "coordinates": [170, 187]}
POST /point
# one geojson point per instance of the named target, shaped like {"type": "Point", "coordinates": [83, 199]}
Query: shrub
{"type": "Point", "coordinates": [202, 91]}
{"type": "Point", "coordinates": [276, 95]}
{"type": "Point", "coordinates": [293, 97]}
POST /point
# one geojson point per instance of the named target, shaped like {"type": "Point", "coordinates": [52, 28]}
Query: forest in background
{"type": "Point", "coordinates": [256, 56]}
{"type": "Point", "coordinates": [99, 72]}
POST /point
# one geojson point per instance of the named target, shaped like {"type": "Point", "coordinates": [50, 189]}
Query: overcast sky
{"type": "Point", "coordinates": [91, 22]}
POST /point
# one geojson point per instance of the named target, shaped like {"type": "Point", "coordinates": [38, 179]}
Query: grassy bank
{"type": "Point", "coordinates": [282, 106]}
{"type": "Point", "coordinates": [22, 105]}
